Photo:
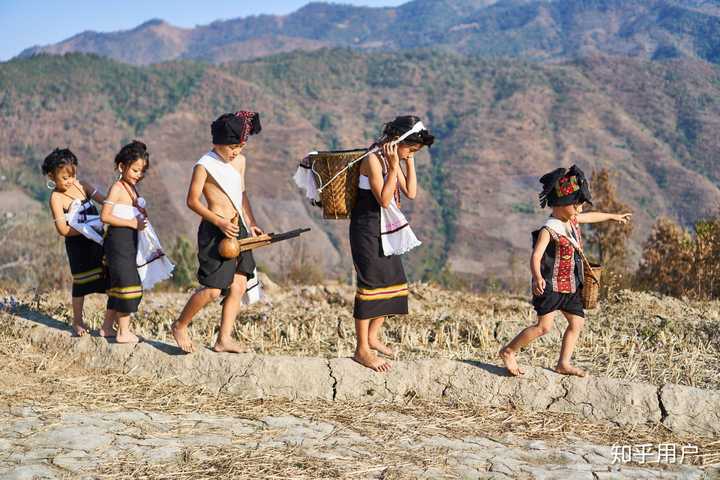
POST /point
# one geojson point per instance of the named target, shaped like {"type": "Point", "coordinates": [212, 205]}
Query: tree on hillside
{"type": "Point", "coordinates": [666, 259]}
{"type": "Point", "coordinates": [705, 270]}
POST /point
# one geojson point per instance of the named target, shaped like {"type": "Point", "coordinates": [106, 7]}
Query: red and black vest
{"type": "Point", "coordinates": [561, 266]}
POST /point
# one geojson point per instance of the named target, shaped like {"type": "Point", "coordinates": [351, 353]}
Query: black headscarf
{"type": "Point", "coordinates": [563, 187]}
{"type": "Point", "coordinates": [234, 128]}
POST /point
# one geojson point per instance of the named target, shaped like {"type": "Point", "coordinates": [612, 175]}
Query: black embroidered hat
{"type": "Point", "coordinates": [563, 187]}
{"type": "Point", "coordinates": [234, 128]}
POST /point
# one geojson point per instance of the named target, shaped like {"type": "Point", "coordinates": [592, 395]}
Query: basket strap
{"type": "Point", "coordinates": [586, 262]}
{"type": "Point", "coordinates": [349, 164]}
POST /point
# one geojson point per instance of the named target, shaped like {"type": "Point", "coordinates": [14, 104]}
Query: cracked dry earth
{"type": "Point", "coordinates": [58, 420]}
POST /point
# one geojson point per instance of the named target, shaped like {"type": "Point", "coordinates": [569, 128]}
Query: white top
{"type": "Point", "coordinates": [364, 182]}
{"type": "Point", "coordinates": [126, 212]}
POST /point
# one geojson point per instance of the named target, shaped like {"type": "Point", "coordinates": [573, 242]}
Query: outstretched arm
{"type": "Point", "coordinates": [92, 192]}
{"type": "Point", "coordinates": [598, 217]}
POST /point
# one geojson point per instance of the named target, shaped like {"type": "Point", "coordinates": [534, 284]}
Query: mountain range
{"type": "Point", "coordinates": [540, 30]}
{"type": "Point", "coordinates": [500, 124]}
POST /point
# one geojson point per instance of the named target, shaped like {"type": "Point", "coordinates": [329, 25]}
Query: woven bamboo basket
{"type": "Point", "coordinates": [339, 196]}
{"type": "Point", "coordinates": [591, 285]}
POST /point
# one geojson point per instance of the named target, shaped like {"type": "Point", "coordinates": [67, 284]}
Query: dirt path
{"type": "Point", "coordinates": [59, 421]}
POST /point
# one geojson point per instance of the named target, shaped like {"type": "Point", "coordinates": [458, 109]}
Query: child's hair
{"type": "Point", "coordinates": [132, 151]}
{"type": "Point", "coordinates": [59, 158]}
{"type": "Point", "coordinates": [401, 125]}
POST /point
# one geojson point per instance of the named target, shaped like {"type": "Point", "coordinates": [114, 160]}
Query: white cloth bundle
{"type": "Point", "coordinates": [395, 232]}
{"type": "Point", "coordinates": [90, 226]}
{"type": "Point", "coordinates": [153, 265]}
{"type": "Point", "coordinates": [305, 179]}
{"type": "Point", "coordinates": [231, 182]}
{"type": "Point", "coordinates": [396, 235]}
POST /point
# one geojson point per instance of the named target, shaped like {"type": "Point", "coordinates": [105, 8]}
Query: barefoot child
{"type": "Point", "coordinates": [556, 265]}
{"type": "Point", "coordinates": [379, 234]}
{"type": "Point", "coordinates": [124, 213]}
{"type": "Point", "coordinates": [71, 200]}
{"type": "Point", "coordinates": [219, 176]}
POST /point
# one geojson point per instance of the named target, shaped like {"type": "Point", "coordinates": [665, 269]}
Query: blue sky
{"type": "Point", "coordinates": [24, 23]}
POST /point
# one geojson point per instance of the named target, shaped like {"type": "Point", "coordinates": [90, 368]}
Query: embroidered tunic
{"type": "Point", "coordinates": [561, 266]}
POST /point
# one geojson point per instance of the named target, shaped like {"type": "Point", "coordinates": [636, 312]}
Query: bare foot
{"type": "Point", "coordinates": [570, 370]}
{"type": "Point", "coordinates": [368, 359]}
{"type": "Point", "coordinates": [182, 338]}
{"type": "Point", "coordinates": [508, 358]}
{"type": "Point", "coordinates": [230, 346]}
{"type": "Point", "coordinates": [107, 330]}
{"type": "Point", "coordinates": [127, 337]}
{"type": "Point", "coordinates": [80, 329]}
{"type": "Point", "coordinates": [379, 346]}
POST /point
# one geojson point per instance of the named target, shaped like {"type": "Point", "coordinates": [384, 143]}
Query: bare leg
{"type": "Point", "coordinates": [507, 353]}
{"type": "Point", "coordinates": [374, 341]}
{"type": "Point", "coordinates": [363, 355]}
{"type": "Point", "coordinates": [195, 303]}
{"type": "Point", "coordinates": [124, 335]}
{"type": "Point", "coordinates": [108, 326]}
{"type": "Point", "coordinates": [575, 325]}
{"type": "Point", "coordinates": [230, 311]}
{"type": "Point", "coordinates": [78, 325]}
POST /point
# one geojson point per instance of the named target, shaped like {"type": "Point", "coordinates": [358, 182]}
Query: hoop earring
{"type": "Point", "coordinates": [119, 176]}
{"type": "Point", "coordinates": [50, 185]}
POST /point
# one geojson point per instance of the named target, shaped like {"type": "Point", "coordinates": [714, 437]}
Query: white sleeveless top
{"type": "Point", "coordinates": [364, 182]}
{"type": "Point", "coordinates": [126, 212]}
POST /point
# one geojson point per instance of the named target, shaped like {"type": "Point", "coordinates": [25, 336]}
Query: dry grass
{"type": "Point", "coordinates": [54, 386]}
{"type": "Point", "coordinates": [633, 336]}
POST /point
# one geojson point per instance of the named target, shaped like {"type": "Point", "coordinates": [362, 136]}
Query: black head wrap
{"type": "Point", "coordinates": [563, 187]}
{"type": "Point", "coordinates": [235, 128]}
{"type": "Point", "coordinates": [401, 125]}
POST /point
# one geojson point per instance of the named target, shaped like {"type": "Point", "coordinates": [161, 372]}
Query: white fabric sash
{"type": "Point", "coordinates": [231, 182]}
{"type": "Point", "coordinates": [395, 233]}
{"type": "Point", "coordinates": [152, 263]}
{"type": "Point", "coordinates": [564, 229]}
{"type": "Point", "coordinates": [90, 226]}
{"type": "Point", "coordinates": [305, 179]}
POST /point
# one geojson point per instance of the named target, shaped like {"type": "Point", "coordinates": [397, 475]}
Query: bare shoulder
{"type": "Point", "coordinates": [118, 193]}
{"type": "Point", "coordinates": [543, 234]}
{"type": "Point", "coordinates": [369, 164]}
{"type": "Point", "coordinates": [54, 199]}
{"type": "Point", "coordinates": [199, 172]}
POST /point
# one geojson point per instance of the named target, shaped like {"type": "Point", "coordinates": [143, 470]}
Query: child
{"type": "Point", "coordinates": [219, 176]}
{"type": "Point", "coordinates": [124, 212]}
{"type": "Point", "coordinates": [556, 265]}
{"type": "Point", "coordinates": [85, 255]}
{"type": "Point", "coordinates": [379, 234]}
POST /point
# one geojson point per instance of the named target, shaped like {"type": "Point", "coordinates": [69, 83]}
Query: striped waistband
{"type": "Point", "coordinates": [384, 293]}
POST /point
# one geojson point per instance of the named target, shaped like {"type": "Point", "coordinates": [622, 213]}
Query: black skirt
{"type": "Point", "coordinates": [216, 271]}
{"type": "Point", "coordinates": [86, 266]}
{"type": "Point", "coordinates": [125, 290]}
{"type": "Point", "coordinates": [381, 283]}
